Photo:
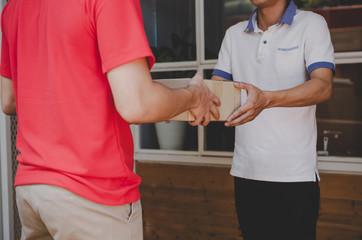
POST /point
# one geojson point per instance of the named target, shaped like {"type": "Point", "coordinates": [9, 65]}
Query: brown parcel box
{"type": "Point", "coordinates": [229, 96]}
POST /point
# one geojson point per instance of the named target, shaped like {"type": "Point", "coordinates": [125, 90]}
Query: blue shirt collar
{"type": "Point", "coordinates": [287, 17]}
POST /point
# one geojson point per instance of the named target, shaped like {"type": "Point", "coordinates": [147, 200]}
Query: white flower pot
{"type": "Point", "coordinates": [171, 135]}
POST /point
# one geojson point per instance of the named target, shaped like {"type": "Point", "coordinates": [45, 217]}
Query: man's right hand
{"type": "Point", "coordinates": [204, 101]}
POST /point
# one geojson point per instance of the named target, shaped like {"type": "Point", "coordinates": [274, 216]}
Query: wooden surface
{"type": "Point", "coordinates": [189, 202]}
{"type": "Point", "coordinates": [341, 207]}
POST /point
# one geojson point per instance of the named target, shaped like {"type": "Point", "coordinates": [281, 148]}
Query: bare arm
{"type": "Point", "coordinates": [138, 99]}
{"type": "Point", "coordinates": [7, 96]}
{"type": "Point", "coordinates": [318, 89]}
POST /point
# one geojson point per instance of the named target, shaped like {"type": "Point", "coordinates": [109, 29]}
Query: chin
{"type": "Point", "coordinates": [266, 3]}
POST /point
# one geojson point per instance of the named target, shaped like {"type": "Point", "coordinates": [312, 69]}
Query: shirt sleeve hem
{"type": "Point", "coordinates": [113, 63]}
{"type": "Point", "coordinates": [222, 74]}
{"type": "Point", "coordinates": [5, 74]}
{"type": "Point", "coordinates": [316, 65]}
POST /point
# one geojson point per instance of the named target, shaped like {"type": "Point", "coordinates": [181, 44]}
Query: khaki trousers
{"type": "Point", "coordinates": [49, 212]}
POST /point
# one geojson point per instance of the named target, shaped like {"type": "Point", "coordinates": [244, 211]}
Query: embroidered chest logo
{"type": "Point", "coordinates": [288, 49]}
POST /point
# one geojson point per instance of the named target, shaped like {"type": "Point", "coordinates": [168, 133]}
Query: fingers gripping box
{"type": "Point", "coordinates": [229, 96]}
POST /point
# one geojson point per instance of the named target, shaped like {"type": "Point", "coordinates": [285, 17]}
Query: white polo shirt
{"type": "Point", "coordinates": [280, 144]}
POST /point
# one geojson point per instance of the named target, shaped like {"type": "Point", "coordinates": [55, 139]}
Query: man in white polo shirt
{"type": "Point", "coordinates": [283, 60]}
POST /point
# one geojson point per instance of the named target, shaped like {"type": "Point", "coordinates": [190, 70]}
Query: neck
{"type": "Point", "coordinates": [271, 14]}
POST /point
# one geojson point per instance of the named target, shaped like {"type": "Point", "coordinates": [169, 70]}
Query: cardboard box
{"type": "Point", "coordinates": [229, 96]}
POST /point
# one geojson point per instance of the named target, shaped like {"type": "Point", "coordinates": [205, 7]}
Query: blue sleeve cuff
{"type": "Point", "coordinates": [316, 65]}
{"type": "Point", "coordinates": [222, 74]}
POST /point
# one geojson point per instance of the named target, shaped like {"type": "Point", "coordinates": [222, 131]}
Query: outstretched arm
{"type": "Point", "coordinates": [318, 89]}
{"type": "Point", "coordinates": [138, 99]}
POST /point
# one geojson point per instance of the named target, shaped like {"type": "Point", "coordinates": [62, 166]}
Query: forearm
{"type": "Point", "coordinates": [314, 91]}
{"type": "Point", "coordinates": [159, 103]}
{"type": "Point", "coordinates": [309, 93]}
{"type": "Point", "coordinates": [138, 99]}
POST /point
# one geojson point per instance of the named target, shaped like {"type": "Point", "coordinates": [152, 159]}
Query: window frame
{"type": "Point", "coordinates": [330, 164]}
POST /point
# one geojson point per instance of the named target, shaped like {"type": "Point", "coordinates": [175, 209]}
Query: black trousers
{"type": "Point", "coordinates": [277, 211]}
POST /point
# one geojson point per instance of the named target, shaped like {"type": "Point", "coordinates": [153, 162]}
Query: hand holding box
{"type": "Point", "coordinates": [229, 96]}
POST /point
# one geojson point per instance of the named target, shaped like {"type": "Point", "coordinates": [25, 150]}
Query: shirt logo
{"type": "Point", "coordinates": [288, 49]}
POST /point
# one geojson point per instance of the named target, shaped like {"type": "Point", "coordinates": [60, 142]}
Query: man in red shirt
{"type": "Point", "coordinates": [78, 72]}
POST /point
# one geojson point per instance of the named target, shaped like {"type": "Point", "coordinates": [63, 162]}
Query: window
{"type": "Point", "coordinates": [340, 119]}
{"type": "Point", "coordinates": [170, 29]}
{"type": "Point", "coordinates": [186, 35]}
{"type": "Point", "coordinates": [219, 16]}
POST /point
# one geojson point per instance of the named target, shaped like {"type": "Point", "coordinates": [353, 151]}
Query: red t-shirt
{"type": "Point", "coordinates": [69, 132]}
